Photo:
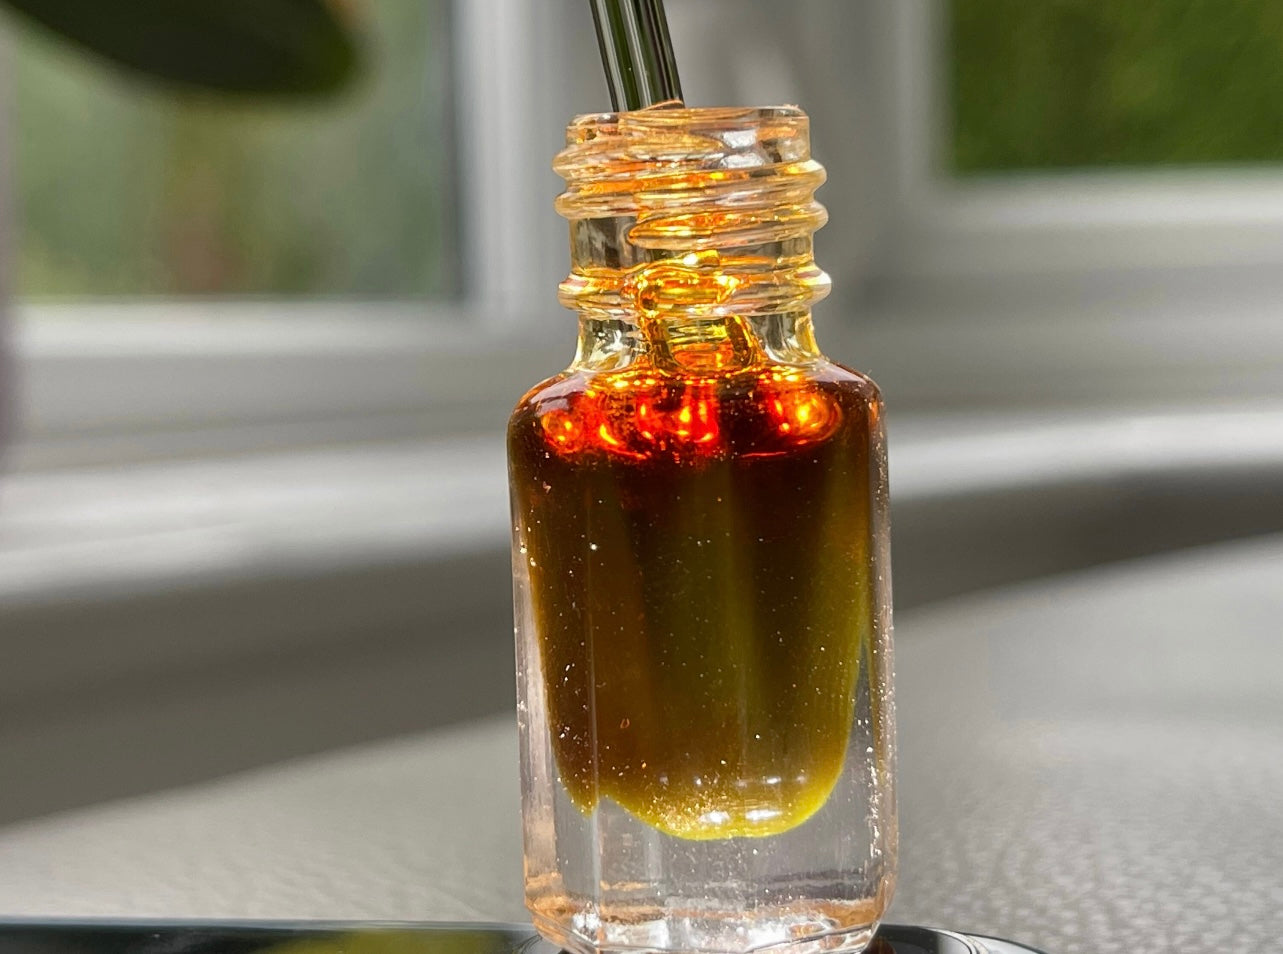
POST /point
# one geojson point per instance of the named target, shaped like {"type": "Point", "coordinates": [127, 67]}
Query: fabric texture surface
{"type": "Point", "coordinates": [1088, 763]}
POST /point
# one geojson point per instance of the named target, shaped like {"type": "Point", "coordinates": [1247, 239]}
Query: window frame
{"type": "Point", "coordinates": [519, 72]}
{"type": "Point", "coordinates": [401, 359]}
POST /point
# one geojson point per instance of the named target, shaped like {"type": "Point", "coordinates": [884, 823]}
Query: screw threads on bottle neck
{"type": "Point", "coordinates": [681, 212]}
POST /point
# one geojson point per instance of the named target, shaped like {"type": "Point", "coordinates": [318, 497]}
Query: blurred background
{"type": "Point", "coordinates": [260, 349]}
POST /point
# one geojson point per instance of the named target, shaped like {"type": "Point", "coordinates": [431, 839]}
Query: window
{"type": "Point", "coordinates": [201, 276]}
{"type": "Point", "coordinates": [127, 188]}
{"type": "Point", "coordinates": [1111, 188]}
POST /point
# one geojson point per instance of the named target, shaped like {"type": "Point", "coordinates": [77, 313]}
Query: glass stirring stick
{"type": "Point", "coordinates": [636, 52]}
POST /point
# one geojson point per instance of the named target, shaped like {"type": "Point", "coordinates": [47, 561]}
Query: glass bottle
{"type": "Point", "coordinates": [700, 561]}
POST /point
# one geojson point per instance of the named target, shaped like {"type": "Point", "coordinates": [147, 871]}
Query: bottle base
{"type": "Point", "coordinates": [831, 927]}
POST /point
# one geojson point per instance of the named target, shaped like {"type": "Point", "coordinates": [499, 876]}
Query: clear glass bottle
{"type": "Point", "coordinates": [703, 609]}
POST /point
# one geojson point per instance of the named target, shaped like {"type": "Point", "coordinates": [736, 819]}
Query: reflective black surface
{"type": "Point", "coordinates": [310, 937]}
{"type": "Point", "coordinates": [906, 939]}
{"type": "Point", "coordinates": [307, 937]}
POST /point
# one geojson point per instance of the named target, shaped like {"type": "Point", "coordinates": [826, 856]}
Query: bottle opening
{"type": "Point", "coordinates": [677, 211]}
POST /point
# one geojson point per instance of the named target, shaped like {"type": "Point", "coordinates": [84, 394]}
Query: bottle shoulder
{"type": "Point", "coordinates": [848, 379]}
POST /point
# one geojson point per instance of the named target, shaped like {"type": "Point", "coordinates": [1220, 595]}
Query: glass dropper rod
{"type": "Point", "coordinates": [637, 52]}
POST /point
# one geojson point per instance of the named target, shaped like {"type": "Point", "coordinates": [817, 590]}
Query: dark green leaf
{"type": "Point", "coordinates": [274, 46]}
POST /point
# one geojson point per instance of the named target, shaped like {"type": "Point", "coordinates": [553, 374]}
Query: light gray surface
{"type": "Point", "coordinates": [423, 828]}
{"type": "Point", "coordinates": [1089, 764]}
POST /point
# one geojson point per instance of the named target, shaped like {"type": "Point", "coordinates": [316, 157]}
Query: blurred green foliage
{"type": "Point", "coordinates": [125, 188]}
{"type": "Point", "coordinates": [1060, 84]}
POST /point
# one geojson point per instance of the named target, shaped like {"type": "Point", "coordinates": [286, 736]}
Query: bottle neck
{"type": "Point", "coordinates": [695, 344]}
{"type": "Point", "coordinates": [691, 238]}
